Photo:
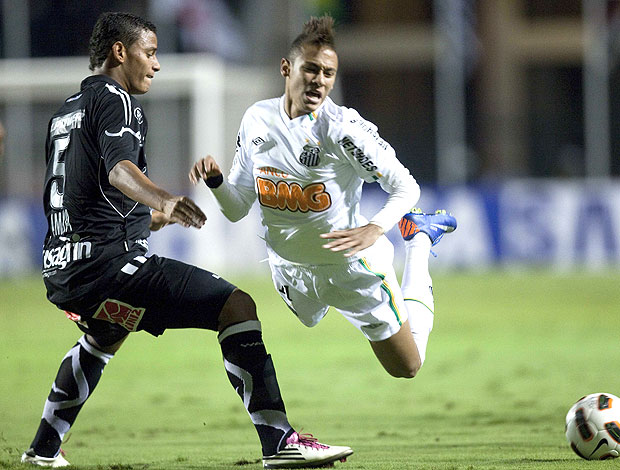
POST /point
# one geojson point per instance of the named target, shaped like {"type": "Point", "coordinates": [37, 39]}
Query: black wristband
{"type": "Point", "coordinates": [214, 181]}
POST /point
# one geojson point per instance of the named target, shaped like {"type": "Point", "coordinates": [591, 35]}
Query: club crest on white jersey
{"type": "Point", "coordinates": [310, 156]}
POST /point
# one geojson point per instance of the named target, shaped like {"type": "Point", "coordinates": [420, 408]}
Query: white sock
{"type": "Point", "coordinates": [417, 288]}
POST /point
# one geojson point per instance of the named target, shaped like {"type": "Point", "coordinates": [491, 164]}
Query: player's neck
{"type": "Point", "coordinates": [114, 73]}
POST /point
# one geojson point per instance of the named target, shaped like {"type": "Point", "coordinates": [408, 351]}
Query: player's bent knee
{"type": "Point", "coordinates": [407, 371]}
{"type": "Point", "coordinates": [241, 301]}
{"type": "Point", "coordinates": [239, 307]}
{"type": "Point", "coordinates": [399, 368]}
{"type": "Point", "coordinates": [412, 371]}
{"type": "Point", "coordinates": [398, 354]}
{"type": "Point", "coordinates": [111, 349]}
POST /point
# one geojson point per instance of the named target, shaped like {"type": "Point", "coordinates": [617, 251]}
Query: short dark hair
{"type": "Point", "coordinates": [317, 32]}
{"type": "Point", "coordinates": [111, 27]}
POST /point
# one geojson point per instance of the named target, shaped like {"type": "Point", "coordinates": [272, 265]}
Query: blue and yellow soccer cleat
{"type": "Point", "coordinates": [434, 225]}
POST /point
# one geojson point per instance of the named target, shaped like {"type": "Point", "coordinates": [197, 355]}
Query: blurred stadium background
{"type": "Point", "coordinates": [505, 111]}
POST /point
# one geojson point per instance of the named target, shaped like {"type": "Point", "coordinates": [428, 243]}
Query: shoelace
{"type": "Point", "coordinates": [435, 243]}
{"type": "Point", "coordinates": [308, 440]}
{"type": "Point", "coordinates": [67, 437]}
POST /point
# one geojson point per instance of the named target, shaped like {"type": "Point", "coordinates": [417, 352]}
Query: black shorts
{"type": "Point", "coordinates": [154, 294]}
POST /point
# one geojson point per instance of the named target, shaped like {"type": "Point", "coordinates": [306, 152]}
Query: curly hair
{"type": "Point", "coordinates": [112, 27]}
{"type": "Point", "coordinates": [317, 32]}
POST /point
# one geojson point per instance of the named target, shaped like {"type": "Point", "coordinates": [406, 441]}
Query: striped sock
{"type": "Point", "coordinates": [251, 372]}
{"type": "Point", "coordinates": [77, 377]}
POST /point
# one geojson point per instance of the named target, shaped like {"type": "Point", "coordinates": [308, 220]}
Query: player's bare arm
{"type": "Point", "coordinates": [127, 178]}
{"type": "Point", "coordinates": [203, 169]}
{"type": "Point", "coordinates": [352, 240]}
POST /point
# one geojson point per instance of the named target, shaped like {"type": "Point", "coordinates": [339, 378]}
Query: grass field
{"type": "Point", "coordinates": [508, 356]}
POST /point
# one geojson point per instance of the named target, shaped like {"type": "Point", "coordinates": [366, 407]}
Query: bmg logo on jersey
{"type": "Point", "coordinates": [291, 196]}
{"type": "Point", "coordinates": [310, 155]}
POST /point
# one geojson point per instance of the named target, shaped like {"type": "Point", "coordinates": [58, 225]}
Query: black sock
{"type": "Point", "coordinates": [251, 372]}
{"type": "Point", "coordinates": [79, 373]}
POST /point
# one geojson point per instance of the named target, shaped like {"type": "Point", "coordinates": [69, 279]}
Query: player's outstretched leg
{"type": "Point", "coordinates": [79, 373]}
{"type": "Point", "coordinates": [251, 372]}
{"type": "Point", "coordinates": [417, 284]}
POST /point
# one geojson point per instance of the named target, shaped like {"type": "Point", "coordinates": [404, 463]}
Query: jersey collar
{"type": "Point", "coordinates": [305, 120]}
{"type": "Point", "coordinates": [99, 78]}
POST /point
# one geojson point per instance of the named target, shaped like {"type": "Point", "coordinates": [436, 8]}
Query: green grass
{"type": "Point", "coordinates": [508, 356]}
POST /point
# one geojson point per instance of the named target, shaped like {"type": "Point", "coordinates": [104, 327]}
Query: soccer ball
{"type": "Point", "coordinates": [593, 427]}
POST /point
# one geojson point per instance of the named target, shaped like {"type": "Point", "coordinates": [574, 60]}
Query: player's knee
{"type": "Point", "coordinates": [409, 373]}
{"type": "Point", "coordinates": [243, 303]}
{"type": "Point", "coordinates": [405, 371]}
{"type": "Point", "coordinates": [413, 371]}
{"type": "Point", "coordinates": [239, 307]}
{"type": "Point", "coordinates": [108, 349]}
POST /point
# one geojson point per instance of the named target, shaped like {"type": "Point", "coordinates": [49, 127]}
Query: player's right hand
{"type": "Point", "coordinates": [204, 168]}
{"type": "Point", "coordinates": [184, 211]}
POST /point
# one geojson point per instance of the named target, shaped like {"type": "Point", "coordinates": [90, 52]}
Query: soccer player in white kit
{"type": "Point", "coordinates": [305, 159]}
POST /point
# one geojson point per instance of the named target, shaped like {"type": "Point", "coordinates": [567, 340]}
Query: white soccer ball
{"type": "Point", "coordinates": [593, 427]}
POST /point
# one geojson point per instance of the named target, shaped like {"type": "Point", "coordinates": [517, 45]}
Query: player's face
{"type": "Point", "coordinates": [141, 63]}
{"type": "Point", "coordinates": [309, 79]}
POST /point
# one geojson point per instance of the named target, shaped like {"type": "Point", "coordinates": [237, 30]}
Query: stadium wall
{"type": "Point", "coordinates": [560, 225]}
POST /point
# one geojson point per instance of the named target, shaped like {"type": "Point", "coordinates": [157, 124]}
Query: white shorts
{"type": "Point", "coordinates": [365, 291]}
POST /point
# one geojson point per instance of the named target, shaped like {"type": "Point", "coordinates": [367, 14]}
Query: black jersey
{"type": "Point", "coordinates": [93, 228]}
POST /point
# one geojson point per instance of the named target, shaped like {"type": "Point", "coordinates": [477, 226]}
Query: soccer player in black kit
{"type": "Point", "coordinates": [100, 206]}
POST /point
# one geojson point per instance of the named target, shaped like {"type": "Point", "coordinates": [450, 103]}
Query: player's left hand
{"type": "Point", "coordinates": [182, 210]}
{"type": "Point", "coordinates": [159, 220]}
{"type": "Point", "coordinates": [352, 240]}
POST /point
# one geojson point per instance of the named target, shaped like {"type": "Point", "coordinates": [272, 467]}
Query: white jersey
{"type": "Point", "coordinates": [307, 174]}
